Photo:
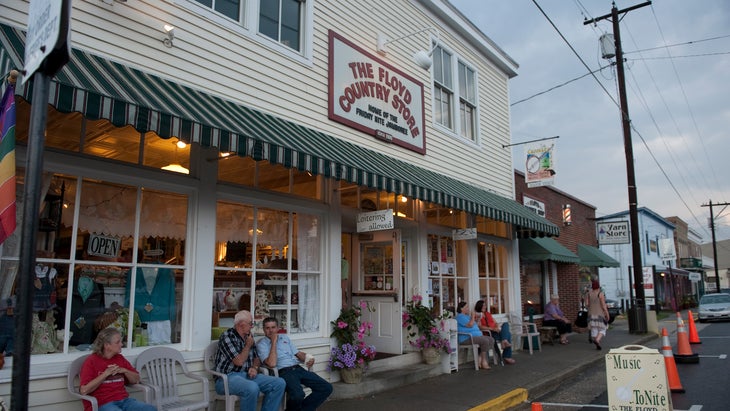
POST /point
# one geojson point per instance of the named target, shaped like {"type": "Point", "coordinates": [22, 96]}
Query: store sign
{"type": "Point", "coordinates": [537, 206]}
{"type": "Point", "coordinates": [636, 379]}
{"type": "Point", "coordinates": [374, 97]}
{"type": "Point", "coordinates": [614, 232]}
{"type": "Point", "coordinates": [375, 221]}
{"type": "Point", "coordinates": [695, 277]}
{"type": "Point", "coordinates": [648, 274]}
{"type": "Point", "coordinates": [464, 234]}
{"type": "Point", "coordinates": [103, 246]}
{"type": "Point", "coordinates": [539, 164]}
{"type": "Point", "coordinates": [666, 249]}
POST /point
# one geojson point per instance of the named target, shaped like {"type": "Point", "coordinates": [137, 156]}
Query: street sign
{"type": "Point", "coordinates": [47, 42]}
{"type": "Point", "coordinates": [694, 277]}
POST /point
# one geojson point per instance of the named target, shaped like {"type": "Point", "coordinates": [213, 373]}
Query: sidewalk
{"type": "Point", "coordinates": [501, 387]}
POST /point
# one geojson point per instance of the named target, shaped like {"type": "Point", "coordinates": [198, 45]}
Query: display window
{"type": "Point", "coordinates": [268, 262]}
{"type": "Point", "coordinates": [447, 273]}
{"type": "Point", "coordinates": [493, 276]}
{"type": "Point", "coordinates": [102, 248]}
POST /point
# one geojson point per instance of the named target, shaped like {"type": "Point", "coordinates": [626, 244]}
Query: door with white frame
{"type": "Point", "coordinates": [377, 273]}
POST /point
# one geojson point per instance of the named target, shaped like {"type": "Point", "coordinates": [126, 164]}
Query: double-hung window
{"type": "Point", "coordinates": [233, 9]}
{"type": "Point", "coordinates": [281, 20]}
{"type": "Point", "coordinates": [454, 81]}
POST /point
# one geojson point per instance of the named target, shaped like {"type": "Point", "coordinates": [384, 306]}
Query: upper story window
{"type": "Point", "coordinates": [233, 9]}
{"type": "Point", "coordinates": [281, 20]}
{"type": "Point", "coordinates": [449, 71]}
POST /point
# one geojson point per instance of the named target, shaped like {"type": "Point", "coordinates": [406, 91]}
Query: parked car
{"type": "Point", "coordinates": [614, 309]}
{"type": "Point", "coordinates": [714, 307]}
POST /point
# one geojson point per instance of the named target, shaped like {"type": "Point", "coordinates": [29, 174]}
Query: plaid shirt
{"type": "Point", "coordinates": [230, 345]}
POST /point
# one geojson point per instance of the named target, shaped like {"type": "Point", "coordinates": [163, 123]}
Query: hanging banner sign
{"type": "Point", "coordinates": [539, 164]}
{"type": "Point", "coordinates": [464, 234]}
{"type": "Point", "coordinates": [375, 221]}
{"type": "Point", "coordinates": [666, 249]}
{"type": "Point", "coordinates": [374, 97]}
{"type": "Point", "coordinates": [614, 232]}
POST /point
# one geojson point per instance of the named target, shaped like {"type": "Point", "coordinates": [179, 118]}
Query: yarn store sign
{"type": "Point", "coordinates": [374, 97]}
{"type": "Point", "coordinates": [103, 246]}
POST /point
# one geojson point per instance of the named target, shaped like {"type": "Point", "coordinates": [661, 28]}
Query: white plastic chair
{"type": "Point", "coordinates": [524, 331]}
{"type": "Point", "coordinates": [158, 367]}
{"type": "Point", "coordinates": [74, 384]}
{"type": "Point", "coordinates": [475, 351]}
{"type": "Point", "coordinates": [209, 365]}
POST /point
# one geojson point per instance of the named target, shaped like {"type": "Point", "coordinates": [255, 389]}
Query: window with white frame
{"type": "Point", "coordinates": [281, 20]}
{"type": "Point", "coordinates": [233, 9]}
{"type": "Point", "coordinates": [447, 71]}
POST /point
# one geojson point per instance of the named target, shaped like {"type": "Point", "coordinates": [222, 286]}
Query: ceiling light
{"type": "Point", "coordinates": [177, 168]}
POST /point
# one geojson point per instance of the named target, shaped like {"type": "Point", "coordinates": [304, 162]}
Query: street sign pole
{"type": "Point", "coordinates": [47, 51]}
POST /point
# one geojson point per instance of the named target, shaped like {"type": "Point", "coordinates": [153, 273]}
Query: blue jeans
{"type": "Point", "coordinates": [506, 335]}
{"type": "Point", "coordinates": [295, 378]}
{"type": "Point", "coordinates": [127, 404]}
{"type": "Point", "coordinates": [248, 389]}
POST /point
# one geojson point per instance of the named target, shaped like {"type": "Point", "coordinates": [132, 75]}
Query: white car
{"type": "Point", "coordinates": [714, 307]}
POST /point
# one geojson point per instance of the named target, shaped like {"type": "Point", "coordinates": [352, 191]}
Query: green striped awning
{"type": "Point", "coordinates": [593, 257]}
{"type": "Point", "coordinates": [100, 88]}
{"type": "Point", "coordinates": [541, 249]}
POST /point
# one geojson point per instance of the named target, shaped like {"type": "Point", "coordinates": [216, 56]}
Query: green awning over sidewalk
{"type": "Point", "coordinates": [541, 249]}
{"type": "Point", "coordinates": [102, 89]}
{"type": "Point", "coordinates": [594, 257]}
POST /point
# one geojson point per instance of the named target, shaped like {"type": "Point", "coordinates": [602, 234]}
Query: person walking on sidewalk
{"type": "Point", "coordinates": [597, 313]}
{"type": "Point", "coordinates": [501, 334]}
{"type": "Point", "coordinates": [554, 317]}
{"type": "Point", "coordinates": [467, 325]}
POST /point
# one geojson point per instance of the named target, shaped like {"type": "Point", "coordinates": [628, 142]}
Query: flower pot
{"type": "Point", "coordinates": [431, 355]}
{"type": "Point", "coordinates": [351, 375]}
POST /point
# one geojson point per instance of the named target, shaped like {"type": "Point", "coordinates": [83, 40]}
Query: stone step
{"type": "Point", "coordinates": [386, 377]}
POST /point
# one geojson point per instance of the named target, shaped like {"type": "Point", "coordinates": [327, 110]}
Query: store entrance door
{"type": "Point", "coordinates": [376, 278]}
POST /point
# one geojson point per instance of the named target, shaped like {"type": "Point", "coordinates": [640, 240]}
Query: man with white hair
{"type": "Point", "coordinates": [237, 358]}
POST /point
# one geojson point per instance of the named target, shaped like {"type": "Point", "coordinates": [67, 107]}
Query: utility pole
{"type": "Point", "coordinates": [637, 313]}
{"type": "Point", "coordinates": [714, 242]}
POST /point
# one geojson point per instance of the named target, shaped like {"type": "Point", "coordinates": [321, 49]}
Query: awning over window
{"type": "Point", "coordinates": [594, 257]}
{"type": "Point", "coordinates": [541, 249]}
{"type": "Point", "coordinates": [99, 88]}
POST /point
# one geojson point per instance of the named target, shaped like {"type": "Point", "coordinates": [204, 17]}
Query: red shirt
{"type": "Point", "coordinates": [112, 389]}
{"type": "Point", "coordinates": [488, 321]}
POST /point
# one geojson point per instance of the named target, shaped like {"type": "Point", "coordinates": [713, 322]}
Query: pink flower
{"type": "Point", "coordinates": [363, 304]}
{"type": "Point", "coordinates": [341, 324]}
{"type": "Point", "coordinates": [417, 298]}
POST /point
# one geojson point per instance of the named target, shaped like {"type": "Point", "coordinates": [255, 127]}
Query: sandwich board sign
{"type": "Point", "coordinates": [636, 379]}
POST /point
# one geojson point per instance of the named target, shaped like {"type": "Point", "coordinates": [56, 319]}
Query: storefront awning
{"type": "Point", "coordinates": [541, 249]}
{"type": "Point", "coordinates": [99, 88]}
{"type": "Point", "coordinates": [594, 257]}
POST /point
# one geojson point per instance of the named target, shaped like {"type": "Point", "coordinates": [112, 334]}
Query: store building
{"type": "Point", "coordinates": [665, 284]}
{"type": "Point", "coordinates": [311, 162]}
{"type": "Point", "coordinates": [563, 265]}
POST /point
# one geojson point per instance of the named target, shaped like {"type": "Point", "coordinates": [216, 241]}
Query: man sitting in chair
{"type": "Point", "coordinates": [278, 351]}
{"type": "Point", "coordinates": [237, 357]}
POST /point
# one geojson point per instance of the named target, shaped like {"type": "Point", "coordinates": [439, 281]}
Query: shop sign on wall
{"type": "Point", "coordinates": [636, 380]}
{"type": "Point", "coordinates": [375, 221]}
{"type": "Point", "coordinates": [613, 232]}
{"type": "Point", "coordinates": [374, 97]}
{"type": "Point", "coordinates": [648, 274]}
{"type": "Point", "coordinates": [464, 234]}
{"type": "Point", "coordinates": [103, 246]}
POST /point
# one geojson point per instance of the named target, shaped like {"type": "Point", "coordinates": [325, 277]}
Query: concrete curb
{"type": "Point", "coordinates": [504, 401]}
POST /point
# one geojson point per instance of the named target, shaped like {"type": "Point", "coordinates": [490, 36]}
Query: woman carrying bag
{"type": "Point", "coordinates": [597, 313]}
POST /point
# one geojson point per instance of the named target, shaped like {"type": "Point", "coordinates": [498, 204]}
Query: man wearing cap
{"type": "Point", "coordinates": [278, 351]}
{"type": "Point", "coordinates": [554, 317]}
{"type": "Point", "coordinates": [237, 358]}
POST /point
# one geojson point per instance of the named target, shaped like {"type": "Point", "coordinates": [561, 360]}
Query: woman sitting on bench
{"type": "Point", "coordinates": [554, 317]}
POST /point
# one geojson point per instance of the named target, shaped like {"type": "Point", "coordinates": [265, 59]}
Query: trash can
{"type": "Point", "coordinates": [637, 319]}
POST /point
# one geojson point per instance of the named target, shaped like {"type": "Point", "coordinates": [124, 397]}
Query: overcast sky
{"type": "Point", "coordinates": [678, 88]}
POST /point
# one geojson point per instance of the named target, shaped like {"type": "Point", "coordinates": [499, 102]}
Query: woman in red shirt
{"type": "Point", "coordinates": [501, 334]}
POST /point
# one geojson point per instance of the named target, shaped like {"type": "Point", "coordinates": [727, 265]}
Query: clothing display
{"type": "Point", "coordinates": [45, 287]}
{"type": "Point", "coordinates": [154, 301]}
{"type": "Point", "coordinates": [87, 303]}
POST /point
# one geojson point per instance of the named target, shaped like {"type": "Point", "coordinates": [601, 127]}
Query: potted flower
{"type": "Point", "coordinates": [423, 331]}
{"type": "Point", "coordinates": [351, 355]}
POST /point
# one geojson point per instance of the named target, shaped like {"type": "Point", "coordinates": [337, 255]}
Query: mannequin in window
{"type": "Point", "coordinates": [87, 303]}
{"type": "Point", "coordinates": [154, 301]}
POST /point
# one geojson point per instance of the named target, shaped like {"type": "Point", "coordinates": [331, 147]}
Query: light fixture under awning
{"type": "Point", "coordinates": [594, 257]}
{"type": "Point", "coordinates": [100, 88]}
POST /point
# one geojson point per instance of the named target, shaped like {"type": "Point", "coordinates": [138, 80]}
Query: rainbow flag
{"type": "Point", "coordinates": [7, 164]}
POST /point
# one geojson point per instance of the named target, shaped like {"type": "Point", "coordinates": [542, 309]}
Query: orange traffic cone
{"type": "Point", "coordinates": [536, 406]}
{"type": "Point", "coordinates": [672, 376]}
{"type": "Point", "coordinates": [684, 353]}
{"type": "Point", "coordinates": [693, 337]}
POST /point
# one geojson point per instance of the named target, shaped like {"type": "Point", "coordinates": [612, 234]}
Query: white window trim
{"type": "Point", "coordinates": [456, 103]}
{"type": "Point", "coordinates": [248, 27]}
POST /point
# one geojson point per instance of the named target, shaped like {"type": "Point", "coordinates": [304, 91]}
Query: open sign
{"type": "Point", "coordinates": [103, 246]}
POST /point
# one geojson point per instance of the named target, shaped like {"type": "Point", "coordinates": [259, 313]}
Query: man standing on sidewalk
{"type": "Point", "coordinates": [278, 351]}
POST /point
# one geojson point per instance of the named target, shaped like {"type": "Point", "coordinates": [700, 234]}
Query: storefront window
{"type": "Point", "coordinates": [533, 285]}
{"type": "Point", "coordinates": [268, 262]}
{"type": "Point", "coordinates": [493, 276]}
{"type": "Point", "coordinates": [89, 234]}
{"type": "Point", "coordinates": [447, 273]}
{"type": "Point", "coordinates": [266, 176]}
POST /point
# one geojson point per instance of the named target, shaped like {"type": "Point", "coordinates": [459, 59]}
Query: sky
{"type": "Point", "coordinates": [677, 71]}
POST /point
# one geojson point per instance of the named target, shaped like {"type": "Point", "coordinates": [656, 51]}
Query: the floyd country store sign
{"type": "Point", "coordinates": [372, 96]}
